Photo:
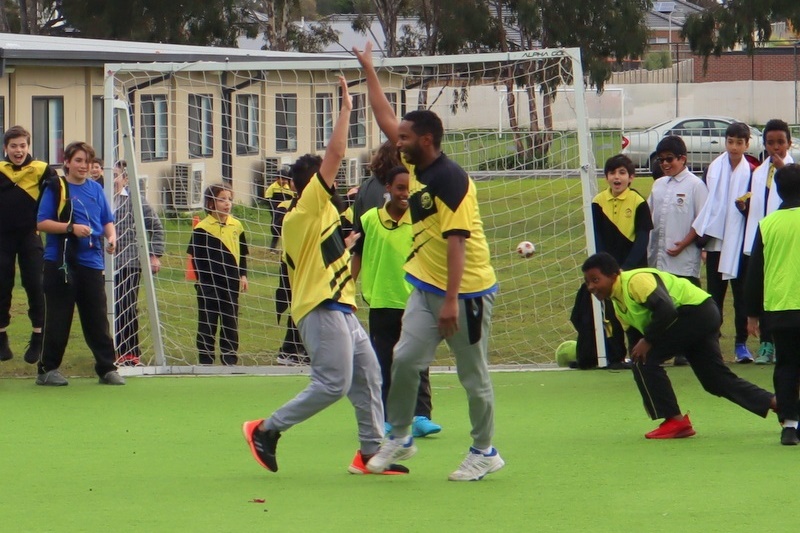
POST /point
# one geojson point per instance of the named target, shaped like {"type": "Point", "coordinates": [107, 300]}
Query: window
{"type": "Point", "coordinates": [358, 122]}
{"type": "Point", "coordinates": [286, 122]}
{"type": "Point", "coordinates": [48, 129]}
{"type": "Point", "coordinates": [246, 124]}
{"type": "Point", "coordinates": [2, 115]}
{"type": "Point", "coordinates": [392, 98]}
{"type": "Point", "coordinates": [201, 125]}
{"type": "Point", "coordinates": [324, 120]}
{"type": "Point", "coordinates": [154, 127]}
{"type": "Point", "coordinates": [98, 128]}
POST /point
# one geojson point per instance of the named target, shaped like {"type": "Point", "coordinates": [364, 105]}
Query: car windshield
{"type": "Point", "coordinates": [658, 125]}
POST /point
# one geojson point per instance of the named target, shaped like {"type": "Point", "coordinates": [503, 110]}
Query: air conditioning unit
{"type": "Point", "coordinates": [353, 173]}
{"type": "Point", "coordinates": [341, 174]}
{"type": "Point", "coordinates": [187, 185]}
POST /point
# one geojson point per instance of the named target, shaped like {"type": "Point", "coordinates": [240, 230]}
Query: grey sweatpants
{"type": "Point", "coordinates": [342, 363]}
{"type": "Point", "coordinates": [416, 349]}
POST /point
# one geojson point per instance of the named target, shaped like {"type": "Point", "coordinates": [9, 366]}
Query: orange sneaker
{"type": "Point", "coordinates": [672, 429]}
{"type": "Point", "coordinates": [359, 466]}
{"type": "Point", "coordinates": [263, 444]}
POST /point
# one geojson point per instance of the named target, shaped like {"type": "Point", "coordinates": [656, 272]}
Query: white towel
{"type": "Point", "coordinates": [757, 211]}
{"type": "Point", "coordinates": [734, 222]}
{"type": "Point", "coordinates": [719, 217]}
{"type": "Point", "coordinates": [710, 220]}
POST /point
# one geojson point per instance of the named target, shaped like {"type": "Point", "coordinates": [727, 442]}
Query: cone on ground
{"type": "Point", "coordinates": [191, 275]}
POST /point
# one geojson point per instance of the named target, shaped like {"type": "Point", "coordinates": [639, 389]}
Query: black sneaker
{"type": "Point", "coordinates": [5, 350]}
{"type": "Point", "coordinates": [263, 444]}
{"type": "Point", "coordinates": [34, 350]}
{"type": "Point", "coordinates": [789, 437]}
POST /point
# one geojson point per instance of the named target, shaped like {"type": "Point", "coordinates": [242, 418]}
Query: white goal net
{"type": "Point", "coordinates": [516, 122]}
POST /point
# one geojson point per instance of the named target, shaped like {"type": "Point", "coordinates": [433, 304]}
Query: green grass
{"type": "Point", "coordinates": [531, 315]}
{"type": "Point", "coordinates": [166, 454]}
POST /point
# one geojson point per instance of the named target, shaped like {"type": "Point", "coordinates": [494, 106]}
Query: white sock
{"type": "Point", "coordinates": [486, 451]}
{"type": "Point", "coordinates": [790, 424]}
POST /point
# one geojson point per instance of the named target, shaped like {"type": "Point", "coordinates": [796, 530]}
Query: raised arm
{"type": "Point", "coordinates": [381, 108]}
{"type": "Point", "coordinates": [338, 142]}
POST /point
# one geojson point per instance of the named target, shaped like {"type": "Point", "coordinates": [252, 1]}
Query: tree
{"type": "Point", "coordinates": [199, 22]}
{"type": "Point", "coordinates": [32, 17]}
{"type": "Point", "coordinates": [734, 22]}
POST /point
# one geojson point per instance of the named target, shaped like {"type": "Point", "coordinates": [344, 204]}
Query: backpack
{"type": "Point", "coordinates": [68, 243]}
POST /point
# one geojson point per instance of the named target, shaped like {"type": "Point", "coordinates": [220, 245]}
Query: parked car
{"type": "Point", "coordinates": [704, 137]}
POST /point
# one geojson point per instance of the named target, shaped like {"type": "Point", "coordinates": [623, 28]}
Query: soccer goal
{"type": "Point", "coordinates": [182, 127]}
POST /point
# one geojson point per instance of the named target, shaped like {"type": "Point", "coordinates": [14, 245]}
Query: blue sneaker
{"type": "Point", "coordinates": [422, 427]}
{"type": "Point", "coordinates": [387, 428]}
{"type": "Point", "coordinates": [743, 355]}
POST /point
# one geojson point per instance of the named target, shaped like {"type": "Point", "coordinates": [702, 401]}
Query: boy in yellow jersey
{"type": "Point", "coordinates": [279, 191]}
{"type": "Point", "coordinates": [664, 314]}
{"type": "Point", "coordinates": [343, 362]}
{"type": "Point", "coordinates": [20, 183]}
{"type": "Point", "coordinates": [773, 289]}
{"type": "Point", "coordinates": [454, 285]}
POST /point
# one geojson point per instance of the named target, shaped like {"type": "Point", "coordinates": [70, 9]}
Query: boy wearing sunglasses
{"type": "Point", "coordinates": [675, 201]}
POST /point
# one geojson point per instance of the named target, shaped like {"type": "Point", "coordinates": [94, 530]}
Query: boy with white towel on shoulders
{"type": "Point", "coordinates": [722, 226]}
{"type": "Point", "coordinates": [761, 200]}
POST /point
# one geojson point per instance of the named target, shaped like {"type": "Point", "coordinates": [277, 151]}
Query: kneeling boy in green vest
{"type": "Point", "coordinates": [663, 314]}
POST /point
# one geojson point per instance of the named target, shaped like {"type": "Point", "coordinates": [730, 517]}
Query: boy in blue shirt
{"type": "Point", "coordinates": [75, 215]}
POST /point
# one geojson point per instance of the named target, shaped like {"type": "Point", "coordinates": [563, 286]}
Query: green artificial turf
{"type": "Point", "coordinates": [167, 454]}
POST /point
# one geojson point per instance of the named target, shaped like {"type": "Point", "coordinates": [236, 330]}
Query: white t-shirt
{"type": "Point", "coordinates": [675, 202]}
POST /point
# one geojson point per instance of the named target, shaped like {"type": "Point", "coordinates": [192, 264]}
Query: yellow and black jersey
{"type": "Point", "coordinates": [277, 193]}
{"type": "Point", "coordinates": [314, 251]}
{"type": "Point", "coordinates": [618, 221]}
{"type": "Point", "coordinates": [219, 252]}
{"type": "Point", "coordinates": [444, 202]}
{"type": "Point", "coordinates": [20, 187]}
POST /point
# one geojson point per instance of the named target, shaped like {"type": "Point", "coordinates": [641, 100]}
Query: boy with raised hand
{"type": "Point", "coordinates": [454, 285]}
{"type": "Point", "coordinates": [21, 179]}
{"type": "Point", "coordinates": [773, 293]}
{"type": "Point", "coordinates": [622, 224]}
{"type": "Point", "coordinates": [343, 362]}
{"type": "Point", "coordinates": [664, 314]}
{"type": "Point", "coordinates": [762, 199]}
{"type": "Point", "coordinates": [721, 225]}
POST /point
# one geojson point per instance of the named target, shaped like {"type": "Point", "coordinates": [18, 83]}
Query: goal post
{"type": "Point", "coordinates": [184, 126]}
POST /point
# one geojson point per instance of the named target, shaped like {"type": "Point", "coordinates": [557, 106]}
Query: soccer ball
{"type": "Point", "coordinates": [566, 353]}
{"type": "Point", "coordinates": [526, 249]}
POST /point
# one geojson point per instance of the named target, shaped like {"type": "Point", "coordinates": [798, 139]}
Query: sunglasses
{"type": "Point", "coordinates": [668, 159]}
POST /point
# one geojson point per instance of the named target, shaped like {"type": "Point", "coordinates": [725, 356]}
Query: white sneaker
{"type": "Point", "coordinates": [476, 465]}
{"type": "Point", "coordinates": [391, 451]}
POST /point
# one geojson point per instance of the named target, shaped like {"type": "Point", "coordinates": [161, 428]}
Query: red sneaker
{"type": "Point", "coordinates": [359, 466]}
{"type": "Point", "coordinates": [672, 429]}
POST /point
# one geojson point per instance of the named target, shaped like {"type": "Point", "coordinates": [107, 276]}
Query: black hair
{"type": "Point", "coordinates": [303, 169]}
{"type": "Point", "coordinates": [777, 124]}
{"type": "Point", "coordinates": [385, 159]}
{"type": "Point", "coordinates": [392, 174]}
{"type": "Point", "coordinates": [425, 122]}
{"type": "Point", "coordinates": [619, 161]}
{"type": "Point", "coordinates": [210, 196]}
{"type": "Point", "coordinates": [672, 144]}
{"type": "Point", "coordinates": [602, 261]}
{"type": "Point", "coordinates": [738, 130]}
{"type": "Point", "coordinates": [787, 180]}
